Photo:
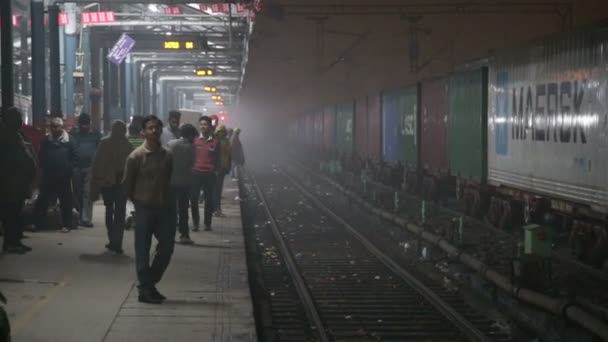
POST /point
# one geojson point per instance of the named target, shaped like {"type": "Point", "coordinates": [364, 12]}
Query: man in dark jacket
{"type": "Point", "coordinates": [57, 161]}
{"type": "Point", "coordinates": [85, 143]}
{"type": "Point", "coordinates": [16, 177]}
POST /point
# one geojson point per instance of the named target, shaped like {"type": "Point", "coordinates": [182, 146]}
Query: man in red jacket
{"type": "Point", "coordinates": [204, 169]}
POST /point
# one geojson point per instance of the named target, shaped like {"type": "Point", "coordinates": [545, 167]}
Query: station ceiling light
{"type": "Point", "coordinates": [216, 97]}
{"type": "Point", "coordinates": [210, 89]}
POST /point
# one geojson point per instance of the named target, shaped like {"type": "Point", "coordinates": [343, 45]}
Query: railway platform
{"type": "Point", "coordinates": [69, 289]}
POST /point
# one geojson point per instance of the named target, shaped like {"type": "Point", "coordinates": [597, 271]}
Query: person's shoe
{"type": "Point", "coordinates": [27, 248]}
{"type": "Point", "coordinates": [149, 298]}
{"type": "Point", "coordinates": [195, 228]}
{"type": "Point", "coordinates": [185, 240]}
{"type": "Point", "coordinates": [14, 250]}
{"type": "Point", "coordinates": [118, 251]}
{"type": "Point", "coordinates": [86, 224]}
{"type": "Point", "coordinates": [207, 228]}
{"type": "Point", "coordinates": [65, 230]}
{"type": "Point", "coordinates": [158, 295]}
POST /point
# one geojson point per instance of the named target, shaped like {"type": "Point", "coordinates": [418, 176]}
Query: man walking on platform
{"type": "Point", "coordinates": [183, 152]}
{"type": "Point", "coordinates": [85, 143]}
{"type": "Point", "coordinates": [57, 159]}
{"type": "Point", "coordinates": [147, 182]}
{"type": "Point", "coordinates": [171, 132]}
{"type": "Point", "coordinates": [17, 173]}
{"type": "Point", "coordinates": [238, 156]}
{"type": "Point", "coordinates": [107, 174]}
{"type": "Point", "coordinates": [224, 165]}
{"type": "Point", "coordinates": [205, 166]}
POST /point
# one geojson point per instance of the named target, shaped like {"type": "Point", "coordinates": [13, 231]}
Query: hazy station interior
{"type": "Point", "coordinates": [275, 69]}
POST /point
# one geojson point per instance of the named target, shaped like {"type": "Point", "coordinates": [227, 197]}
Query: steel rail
{"type": "Point", "coordinates": [300, 284]}
{"type": "Point", "coordinates": [448, 312]}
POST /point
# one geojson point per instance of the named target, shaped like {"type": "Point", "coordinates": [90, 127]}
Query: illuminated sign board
{"type": "Point", "coordinates": [210, 89]}
{"type": "Point", "coordinates": [205, 72]}
{"type": "Point", "coordinates": [216, 97]}
{"type": "Point", "coordinates": [182, 44]}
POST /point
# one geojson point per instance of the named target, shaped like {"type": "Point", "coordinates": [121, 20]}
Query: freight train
{"type": "Point", "coordinates": [520, 137]}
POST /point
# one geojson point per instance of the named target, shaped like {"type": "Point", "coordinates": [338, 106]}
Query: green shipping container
{"type": "Point", "coordinates": [344, 127]}
{"type": "Point", "coordinates": [409, 125]}
{"type": "Point", "coordinates": [467, 124]}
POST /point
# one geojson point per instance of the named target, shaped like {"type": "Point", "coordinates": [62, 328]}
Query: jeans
{"type": "Point", "coordinates": [181, 198]}
{"type": "Point", "coordinates": [48, 190]}
{"type": "Point", "coordinates": [10, 215]}
{"type": "Point", "coordinates": [219, 188]}
{"type": "Point", "coordinates": [115, 201]}
{"type": "Point", "coordinates": [82, 194]}
{"type": "Point", "coordinates": [205, 182]}
{"type": "Point", "coordinates": [152, 222]}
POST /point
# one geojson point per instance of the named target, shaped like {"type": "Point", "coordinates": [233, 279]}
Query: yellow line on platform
{"type": "Point", "coordinates": [20, 322]}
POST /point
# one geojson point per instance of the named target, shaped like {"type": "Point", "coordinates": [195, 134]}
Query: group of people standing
{"type": "Point", "coordinates": [162, 171]}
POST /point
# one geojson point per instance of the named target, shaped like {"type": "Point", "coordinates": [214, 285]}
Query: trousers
{"type": "Point", "coordinates": [82, 194]}
{"type": "Point", "coordinates": [152, 222]}
{"type": "Point", "coordinates": [115, 201]}
{"type": "Point", "coordinates": [206, 183]}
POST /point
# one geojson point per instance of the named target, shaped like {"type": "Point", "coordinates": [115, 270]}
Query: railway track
{"type": "Point", "coordinates": [495, 247]}
{"type": "Point", "coordinates": [347, 287]}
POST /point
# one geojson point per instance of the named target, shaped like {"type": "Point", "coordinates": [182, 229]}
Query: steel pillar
{"type": "Point", "coordinates": [38, 63]}
{"type": "Point", "coordinates": [54, 61]}
{"type": "Point", "coordinates": [107, 103]}
{"type": "Point", "coordinates": [6, 40]}
{"type": "Point", "coordinates": [25, 63]}
{"type": "Point", "coordinates": [69, 52]}
{"type": "Point", "coordinates": [123, 90]}
{"type": "Point", "coordinates": [95, 90]}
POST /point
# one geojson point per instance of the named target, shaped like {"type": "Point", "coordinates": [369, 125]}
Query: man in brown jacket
{"type": "Point", "coordinates": [106, 178]}
{"type": "Point", "coordinates": [147, 183]}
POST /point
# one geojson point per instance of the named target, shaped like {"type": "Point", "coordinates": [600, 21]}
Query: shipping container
{"type": "Point", "coordinates": [467, 124]}
{"type": "Point", "coordinates": [391, 147]}
{"type": "Point", "coordinates": [318, 128]}
{"type": "Point", "coordinates": [547, 119]}
{"type": "Point", "coordinates": [409, 126]}
{"type": "Point", "coordinates": [434, 114]}
{"type": "Point", "coordinates": [329, 128]}
{"type": "Point", "coordinates": [344, 127]}
{"type": "Point", "coordinates": [374, 127]}
{"type": "Point", "coordinates": [361, 124]}
{"type": "Point", "coordinates": [399, 126]}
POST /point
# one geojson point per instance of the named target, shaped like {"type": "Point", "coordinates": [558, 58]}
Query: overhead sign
{"type": "Point", "coordinates": [97, 17]}
{"type": "Point", "coordinates": [175, 44]}
{"type": "Point", "coordinates": [173, 10]}
{"type": "Point", "coordinates": [64, 18]}
{"type": "Point", "coordinates": [121, 49]}
{"type": "Point", "coordinates": [221, 8]}
{"type": "Point", "coordinates": [204, 72]}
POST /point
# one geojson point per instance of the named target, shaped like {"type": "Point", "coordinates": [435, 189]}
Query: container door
{"type": "Point", "coordinates": [408, 126]}
{"type": "Point", "coordinates": [329, 128]}
{"type": "Point", "coordinates": [344, 128]}
{"type": "Point", "coordinates": [374, 127]}
{"type": "Point", "coordinates": [467, 96]}
{"type": "Point", "coordinates": [361, 129]}
{"type": "Point", "coordinates": [434, 114]}
{"type": "Point", "coordinates": [390, 126]}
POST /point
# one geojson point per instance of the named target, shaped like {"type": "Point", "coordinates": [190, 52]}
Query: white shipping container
{"type": "Point", "coordinates": [548, 118]}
